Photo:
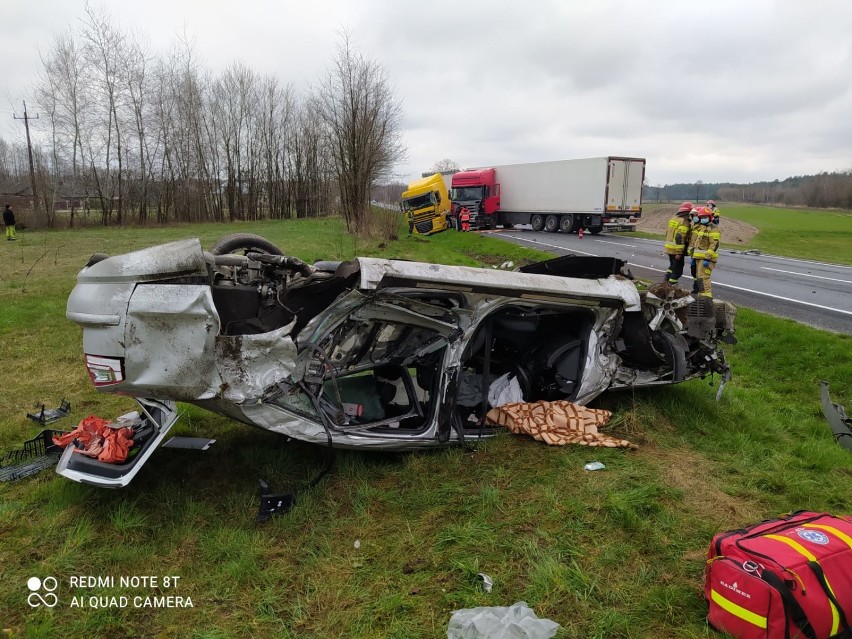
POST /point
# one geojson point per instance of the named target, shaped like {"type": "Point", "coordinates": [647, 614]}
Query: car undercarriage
{"type": "Point", "coordinates": [373, 353]}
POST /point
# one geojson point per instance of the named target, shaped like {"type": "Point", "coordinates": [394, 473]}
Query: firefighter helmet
{"type": "Point", "coordinates": [711, 204]}
{"type": "Point", "coordinates": [686, 207]}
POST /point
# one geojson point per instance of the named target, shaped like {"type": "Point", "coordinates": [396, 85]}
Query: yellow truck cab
{"type": "Point", "coordinates": [426, 204]}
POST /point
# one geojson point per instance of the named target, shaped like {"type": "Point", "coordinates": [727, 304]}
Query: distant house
{"type": "Point", "coordinates": [20, 195]}
{"type": "Point", "coordinates": [70, 195]}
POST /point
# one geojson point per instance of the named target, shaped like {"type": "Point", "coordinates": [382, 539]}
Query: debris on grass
{"type": "Point", "coordinates": [272, 504]}
{"type": "Point", "coordinates": [486, 581]}
{"type": "Point", "coordinates": [517, 621]}
{"type": "Point", "coordinates": [835, 414]}
{"type": "Point", "coordinates": [36, 455]}
{"type": "Point", "coordinates": [50, 415]}
{"type": "Point", "coordinates": [189, 443]}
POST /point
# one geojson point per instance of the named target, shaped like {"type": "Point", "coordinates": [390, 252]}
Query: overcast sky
{"type": "Point", "coordinates": [736, 91]}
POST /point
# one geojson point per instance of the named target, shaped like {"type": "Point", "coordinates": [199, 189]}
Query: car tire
{"type": "Point", "coordinates": [244, 243]}
{"type": "Point", "coordinates": [537, 222]}
{"type": "Point", "coordinates": [566, 223]}
{"type": "Point", "coordinates": [595, 230]}
{"type": "Point", "coordinates": [551, 224]}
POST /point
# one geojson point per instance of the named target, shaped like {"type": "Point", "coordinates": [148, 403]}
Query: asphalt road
{"type": "Point", "coordinates": [814, 293]}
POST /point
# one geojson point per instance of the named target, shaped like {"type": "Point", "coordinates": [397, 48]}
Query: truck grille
{"type": "Point", "coordinates": [423, 227]}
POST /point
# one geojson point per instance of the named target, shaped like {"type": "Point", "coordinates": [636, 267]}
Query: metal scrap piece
{"type": "Point", "coordinates": [38, 453]}
{"type": "Point", "coordinates": [271, 504]}
{"type": "Point", "coordinates": [190, 443]}
{"type": "Point", "coordinates": [45, 417]}
{"type": "Point", "coordinates": [835, 414]}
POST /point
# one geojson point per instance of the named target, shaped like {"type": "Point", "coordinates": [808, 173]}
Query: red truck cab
{"type": "Point", "coordinates": [477, 191]}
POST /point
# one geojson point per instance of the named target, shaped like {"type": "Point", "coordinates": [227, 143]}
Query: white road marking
{"type": "Point", "coordinates": [786, 299]}
{"type": "Point", "coordinates": [749, 290]}
{"type": "Point", "coordinates": [739, 288]}
{"type": "Point", "coordinates": [616, 243]}
{"type": "Point", "coordinates": [561, 248]}
{"type": "Point", "coordinates": [769, 255]}
{"type": "Point", "coordinates": [793, 259]}
{"type": "Point", "coordinates": [819, 277]}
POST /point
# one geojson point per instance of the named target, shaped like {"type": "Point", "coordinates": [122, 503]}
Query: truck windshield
{"type": "Point", "coordinates": [414, 203]}
{"type": "Point", "coordinates": [466, 193]}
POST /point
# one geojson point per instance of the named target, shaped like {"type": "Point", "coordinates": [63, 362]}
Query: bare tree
{"type": "Point", "coordinates": [362, 117]}
{"type": "Point", "coordinates": [65, 76]}
{"type": "Point", "coordinates": [445, 166]}
{"type": "Point", "coordinates": [134, 67]}
{"type": "Point", "coordinates": [104, 43]}
{"type": "Point", "coordinates": [309, 169]}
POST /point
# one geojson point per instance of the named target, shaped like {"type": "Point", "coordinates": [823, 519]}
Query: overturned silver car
{"type": "Point", "coordinates": [369, 353]}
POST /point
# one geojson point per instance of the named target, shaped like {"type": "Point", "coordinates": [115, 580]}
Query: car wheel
{"type": "Point", "coordinates": [244, 243]}
{"type": "Point", "coordinates": [595, 230]}
{"type": "Point", "coordinates": [566, 223]}
{"type": "Point", "coordinates": [537, 222]}
{"type": "Point", "coordinates": [551, 224]}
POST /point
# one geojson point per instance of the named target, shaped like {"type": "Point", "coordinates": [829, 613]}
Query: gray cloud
{"type": "Point", "coordinates": [728, 90]}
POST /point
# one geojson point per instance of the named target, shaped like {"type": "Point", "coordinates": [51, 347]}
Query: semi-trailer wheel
{"type": "Point", "coordinates": [537, 222]}
{"type": "Point", "coordinates": [595, 230]}
{"type": "Point", "coordinates": [508, 225]}
{"type": "Point", "coordinates": [551, 224]}
{"type": "Point", "coordinates": [566, 223]}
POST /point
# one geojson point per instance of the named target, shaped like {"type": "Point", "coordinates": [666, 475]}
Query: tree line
{"type": "Point", "coordinates": [825, 190]}
{"type": "Point", "coordinates": [144, 138]}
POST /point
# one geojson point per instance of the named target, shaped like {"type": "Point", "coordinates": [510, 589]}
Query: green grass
{"type": "Point", "coordinates": [814, 234]}
{"type": "Point", "coordinates": [805, 233]}
{"type": "Point", "coordinates": [617, 553]}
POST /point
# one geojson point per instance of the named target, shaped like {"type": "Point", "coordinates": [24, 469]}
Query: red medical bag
{"type": "Point", "coordinates": [783, 578]}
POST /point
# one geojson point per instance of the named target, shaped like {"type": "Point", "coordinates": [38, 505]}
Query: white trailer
{"type": "Point", "coordinates": [568, 194]}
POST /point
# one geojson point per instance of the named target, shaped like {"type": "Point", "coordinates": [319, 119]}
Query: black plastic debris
{"type": "Point", "coordinates": [189, 443]}
{"type": "Point", "coordinates": [835, 414]}
{"type": "Point", "coordinates": [45, 417]}
{"type": "Point", "coordinates": [270, 504]}
{"type": "Point", "coordinates": [37, 454]}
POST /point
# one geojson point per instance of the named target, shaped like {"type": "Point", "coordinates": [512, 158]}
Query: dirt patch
{"type": "Point", "coordinates": [655, 219]}
{"type": "Point", "coordinates": [694, 475]}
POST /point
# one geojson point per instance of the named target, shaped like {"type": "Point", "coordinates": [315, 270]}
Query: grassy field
{"type": "Point", "coordinates": [804, 233]}
{"type": "Point", "coordinates": [617, 553]}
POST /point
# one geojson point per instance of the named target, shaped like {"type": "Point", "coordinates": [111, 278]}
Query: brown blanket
{"type": "Point", "coordinates": [557, 423]}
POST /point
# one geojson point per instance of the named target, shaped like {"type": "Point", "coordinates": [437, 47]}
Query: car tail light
{"type": "Point", "coordinates": [105, 370]}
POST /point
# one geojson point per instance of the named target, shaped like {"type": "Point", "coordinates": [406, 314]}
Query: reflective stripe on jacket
{"type": "Point", "coordinates": [677, 235]}
{"type": "Point", "coordinates": [705, 243]}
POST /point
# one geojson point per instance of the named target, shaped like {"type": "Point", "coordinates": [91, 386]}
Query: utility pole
{"type": "Point", "coordinates": [26, 120]}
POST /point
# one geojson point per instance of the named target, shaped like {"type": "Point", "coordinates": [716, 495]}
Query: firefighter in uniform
{"type": "Point", "coordinates": [703, 249]}
{"type": "Point", "coordinates": [677, 240]}
{"type": "Point", "coordinates": [711, 204]}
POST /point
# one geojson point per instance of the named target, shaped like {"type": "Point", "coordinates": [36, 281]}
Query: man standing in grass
{"type": "Point", "coordinates": [677, 239]}
{"type": "Point", "coordinates": [9, 221]}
